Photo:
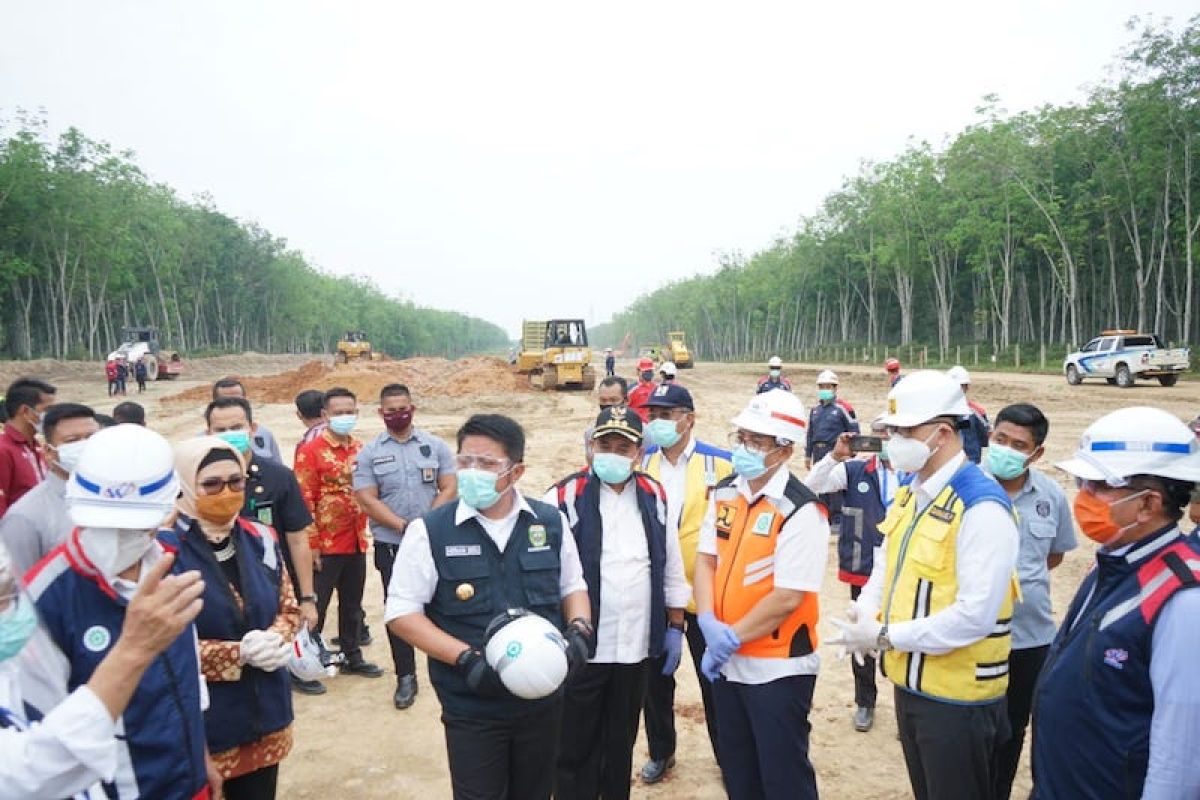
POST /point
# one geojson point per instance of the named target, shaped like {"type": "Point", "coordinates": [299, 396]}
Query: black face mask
{"type": "Point", "coordinates": [648, 375]}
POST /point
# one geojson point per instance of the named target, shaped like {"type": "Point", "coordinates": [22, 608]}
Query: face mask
{"type": "Point", "coordinates": [662, 432]}
{"type": "Point", "coordinates": [775, 373]}
{"type": "Point", "coordinates": [648, 375]}
{"type": "Point", "coordinates": [238, 440]}
{"type": "Point", "coordinates": [37, 426]}
{"type": "Point", "coordinates": [17, 624]}
{"type": "Point", "coordinates": [1004, 462]}
{"type": "Point", "coordinates": [477, 488]}
{"type": "Point", "coordinates": [1094, 516]}
{"type": "Point", "coordinates": [343, 424]}
{"type": "Point", "coordinates": [909, 455]}
{"type": "Point", "coordinates": [883, 452]}
{"type": "Point", "coordinates": [220, 508]}
{"type": "Point", "coordinates": [398, 421]}
{"type": "Point", "coordinates": [114, 550]}
{"type": "Point", "coordinates": [612, 468]}
{"type": "Point", "coordinates": [825, 395]}
{"type": "Point", "coordinates": [67, 455]}
{"type": "Point", "coordinates": [750, 464]}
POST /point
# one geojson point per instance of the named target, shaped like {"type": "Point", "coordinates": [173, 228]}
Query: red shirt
{"type": "Point", "coordinates": [325, 469]}
{"type": "Point", "coordinates": [638, 396]}
{"type": "Point", "coordinates": [21, 466]}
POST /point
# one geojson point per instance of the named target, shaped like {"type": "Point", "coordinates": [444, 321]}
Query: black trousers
{"type": "Point", "coordinates": [347, 572]}
{"type": "Point", "coordinates": [600, 721]}
{"type": "Point", "coordinates": [1024, 666]}
{"type": "Point", "coordinates": [403, 657]}
{"type": "Point", "coordinates": [764, 738]}
{"type": "Point", "coordinates": [950, 750]}
{"type": "Point", "coordinates": [257, 785]}
{"type": "Point", "coordinates": [864, 674]}
{"type": "Point", "coordinates": [505, 759]}
{"type": "Point", "coordinates": [659, 708]}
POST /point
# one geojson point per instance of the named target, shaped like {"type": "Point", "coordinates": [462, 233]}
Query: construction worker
{"type": "Point", "coordinates": [667, 372]}
{"type": "Point", "coordinates": [867, 487]}
{"type": "Point", "coordinates": [939, 601]}
{"type": "Point", "coordinates": [828, 419]}
{"type": "Point", "coordinates": [610, 363]}
{"type": "Point", "coordinates": [459, 567]}
{"type": "Point", "coordinates": [1047, 532]}
{"type": "Point", "coordinates": [1115, 709]}
{"type": "Point", "coordinates": [688, 470]}
{"type": "Point", "coordinates": [639, 394]}
{"type": "Point", "coordinates": [892, 366]}
{"type": "Point", "coordinates": [638, 590]}
{"type": "Point", "coordinates": [774, 378]}
{"type": "Point", "coordinates": [976, 428]}
{"type": "Point", "coordinates": [759, 566]}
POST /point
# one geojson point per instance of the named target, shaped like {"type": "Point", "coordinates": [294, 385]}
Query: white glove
{"type": "Point", "coordinates": [259, 647]}
{"type": "Point", "coordinates": [859, 635]}
{"type": "Point", "coordinates": [276, 658]}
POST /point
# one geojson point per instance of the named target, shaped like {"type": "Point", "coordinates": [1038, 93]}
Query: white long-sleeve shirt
{"type": "Point", "coordinates": [829, 475]}
{"type": "Point", "coordinates": [986, 556]}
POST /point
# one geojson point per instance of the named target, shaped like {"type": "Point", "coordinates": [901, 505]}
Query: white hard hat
{"type": "Point", "coordinates": [668, 367]}
{"type": "Point", "coordinates": [777, 413]}
{"type": "Point", "coordinates": [827, 376]}
{"type": "Point", "coordinates": [528, 653]}
{"type": "Point", "coordinates": [775, 362]}
{"type": "Point", "coordinates": [1136, 441]}
{"type": "Point", "coordinates": [923, 395]}
{"type": "Point", "coordinates": [125, 478]}
{"type": "Point", "coordinates": [959, 375]}
{"type": "Point", "coordinates": [305, 659]}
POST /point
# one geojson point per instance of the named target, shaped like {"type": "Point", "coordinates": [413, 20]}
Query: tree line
{"type": "Point", "coordinates": [1039, 227]}
{"type": "Point", "coordinates": [88, 244]}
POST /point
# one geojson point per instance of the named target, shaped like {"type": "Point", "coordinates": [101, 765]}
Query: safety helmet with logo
{"type": "Point", "coordinates": [775, 362]}
{"type": "Point", "coordinates": [668, 368]}
{"type": "Point", "coordinates": [827, 376]}
{"type": "Point", "coordinates": [777, 413]}
{"type": "Point", "coordinates": [922, 396]}
{"type": "Point", "coordinates": [959, 375]}
{"type": "Point", "coordinates": [527, 652]}
{"type": "Point", "coordinates": [125, 478]}
{"type": "Point", "coordinates": [1136, 441]}
{"type": "Point", "coordinates": [892, 365]}
{"type": "Point", "coordinates": [304, 660]}
{"type": "Point", "coordinates": [645, 363]}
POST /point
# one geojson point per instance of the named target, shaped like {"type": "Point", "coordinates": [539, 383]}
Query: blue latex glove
{"type": "Point", "coordinates": [709, 666]}
{"type": "Point", "coordinates": [719, 637]}
{"type": "Point", "coordinates": [672, 650]}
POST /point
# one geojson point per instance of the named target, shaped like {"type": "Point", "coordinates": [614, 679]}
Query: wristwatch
{"type": "Point", "coordinates": [308, 598]}
{"type": "Point", "coordinates": [882, 642]}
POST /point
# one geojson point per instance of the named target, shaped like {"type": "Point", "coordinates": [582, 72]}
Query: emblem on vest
{"type": "Point", "coordinates": [97, 638]}
{"type": "Point", "coordinates": [464, 591]}
{"type": "Point", "coordinates": [537, 538]}
{"type": "Point", "coordinates": [762, 525]}
{"type": "Point", "coordinates": [725, 517]}
{"type": "Point", "coordinates": [1116, 657]}
{"type": "Point", "coordinates": [864, 487]}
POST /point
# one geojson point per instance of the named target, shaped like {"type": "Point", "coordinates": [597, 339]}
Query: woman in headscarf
{"type": "Point", "coordinates": [249, 617]}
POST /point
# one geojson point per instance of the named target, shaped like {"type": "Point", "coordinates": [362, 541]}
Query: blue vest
{"type": "Point", "coordinates": [1094, 700]}
{"type": "Point", "coordinates": [826, 421]}
{"type": "Point", "coordinates": [476, 582]}
{"type": "Point", "coordinates": [259, 703]}
{"type": "Point", "coordinates": [862, 511]}
{"type": "Point", "coordinates": [579, 499]}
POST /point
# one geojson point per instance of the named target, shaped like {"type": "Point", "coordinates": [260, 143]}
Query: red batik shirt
{"type": "Point", "coordinates": [325, 469]}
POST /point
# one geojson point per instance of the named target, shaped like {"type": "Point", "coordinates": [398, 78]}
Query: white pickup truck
{"type": "Point", "coordinates": [1122, 357]}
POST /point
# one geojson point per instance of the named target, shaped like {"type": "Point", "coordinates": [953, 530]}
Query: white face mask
{"type": "Point", "coordinates": [67, 455]}
{"type": "Point", "coordinates": [114, 550]}
{"type": "Point", "coordinates": [908, 455]}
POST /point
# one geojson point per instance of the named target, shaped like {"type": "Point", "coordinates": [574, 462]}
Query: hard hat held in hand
{"type": "Point", "coordinates": [304, 660]}
{"type": "Point", "coordinates": [125, 478]}
{"type": "Point", "coordinates": [827, 376]}
{"type": "Point", "coordinates": [1136, 441]}
{"type": "Point", "coordinates": [777, 413]}
{"type": "Point", "coordinates": [528, 653]}
{"type": "Point", "coordinates": [923, 395]}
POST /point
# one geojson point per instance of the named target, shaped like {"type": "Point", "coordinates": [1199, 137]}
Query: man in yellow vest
{"type": "Point", "coordinates": [759, 567]}
{"type": "Point", "coordinates": [688, 470]}
{"type": "Point", "coordinates": [939, 602]}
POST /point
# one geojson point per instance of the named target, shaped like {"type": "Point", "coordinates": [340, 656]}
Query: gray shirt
{"type": "Point", "coordinates": [37, 523]}
{"type": "Point", "coordinates": [406, 474]}
{"type": "Point", "coordinates": [1046, 527]}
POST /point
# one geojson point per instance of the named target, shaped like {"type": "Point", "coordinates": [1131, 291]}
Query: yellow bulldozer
{"type": "Point", "coordinates": [677, 351]}
{"type": "Point", "coordinates": [355, 346]}
{"type": "Point", "coordinates": [555, 355]}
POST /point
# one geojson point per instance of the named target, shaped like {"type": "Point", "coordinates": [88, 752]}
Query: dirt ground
{"type": "Point", "coordinates": [351, 742]}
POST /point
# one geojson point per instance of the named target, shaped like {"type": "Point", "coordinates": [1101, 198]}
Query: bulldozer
{"type": "Point", "coordinates": [677, 350]}
{"type": "Point", "coordinates": [354, 346]}
{"type": "Point", "coordinates": [555, 355]}
{"type": "Point", "coordinates": [141, 343]}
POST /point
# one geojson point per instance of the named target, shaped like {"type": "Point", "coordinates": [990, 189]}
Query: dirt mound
{"type": "Point", "coordinates": [425, 377]}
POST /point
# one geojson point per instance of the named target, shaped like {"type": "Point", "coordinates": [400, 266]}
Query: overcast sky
{"type": "Point", "coordinates": [514, 159]}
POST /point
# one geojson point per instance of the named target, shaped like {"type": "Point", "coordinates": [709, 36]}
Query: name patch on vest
{"type": "Point", "coordinates": [453, 550]}
{"type": "Point", "coordinates": [941, 514]}
{"type": "Point", "coordinates": [762, 525]}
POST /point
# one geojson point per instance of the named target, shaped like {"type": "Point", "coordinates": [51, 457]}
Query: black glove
{"type": "Point", "coordinates": [478, 673]}
{"type": "Point", "coordinates": [579, 634]}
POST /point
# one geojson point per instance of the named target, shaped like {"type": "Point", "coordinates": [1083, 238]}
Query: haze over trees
{"type": "Point", "coordinates": [1038, 227]}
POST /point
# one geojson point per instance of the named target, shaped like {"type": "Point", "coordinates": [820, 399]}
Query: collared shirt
{"type": "Point", "coordinates": [1174, 770]}
{"type": "Point", "coordinates": [1046, 526]}
{"type": "Point", "coordinates": [801, 551]}
{"type": "Point", "coordinates": [414, 577]}
{"type": "Point", "coordinates": [264, 446]}
{"type": "Point", "coordinates": [324, 468]}
{"type": "Point", "coordinates": [21, 466]}
{"type": "Point", "coordinates": [673, 478]}
{"type": "Point", "coordinates": [273, 497]}
{"type": "Point", "coordinates": [986, 553]}
{"type": "Point", "coordinates": [406, 474]}
{"type": "Point", "coordinates": [37, 523]}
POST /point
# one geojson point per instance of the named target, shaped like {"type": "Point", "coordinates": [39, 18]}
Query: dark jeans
{"type": "Point", "coordinates": [257, 785]}
{"type": "Point", "coordinates": [1024, 666]}
{"type": "Point", "coordinates": [950, 750]}
{"type": "Point", "coordinates": [347, 572]}
{"type": "Point", "coordinates": [600, 721]}
{"type": "Point", "coordinates": [504, 759]}
{"type": "Point", "coordinates": [764, 738]}
{"type": "Point", "coordinates": [403, 657]}
{"type": "Point", "coordinates": [659, 708]}
{"type": "Point", "coordinates": [864, 674]}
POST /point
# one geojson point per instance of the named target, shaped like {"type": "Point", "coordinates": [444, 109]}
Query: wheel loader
{"type": "Point", "coordinates": [677, 351]}
{"type": "Point", "coordinates": [354, 346]}
{"type": "Point", "coordinates": [555, 355]}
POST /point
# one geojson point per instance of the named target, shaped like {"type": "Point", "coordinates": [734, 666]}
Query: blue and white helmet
{"type": "Point", "coordinates": [1136, 441]}
{"type": "Point", "coordinates": [125, 478]}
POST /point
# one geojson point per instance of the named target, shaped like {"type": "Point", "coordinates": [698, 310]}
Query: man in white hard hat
{"type": "Point", "coordinates": [122, 489]}
{"type": "Point", "coordinates": [827, 420]}
{"type": "Point", "coordinates": [1116, 707]}
{"type": "Point", "coordinates": [759, 567]}
{"type": "Point", "coordinates": [976, 429]}
{"type": "Point", "coordinates": [940, 598]}
{"type": "Point", "coordinates": [774, 378]}
{"type": "Point", "coordinates": [667, 372]}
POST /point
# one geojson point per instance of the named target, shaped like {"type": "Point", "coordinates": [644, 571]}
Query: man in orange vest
{"type": "Point", "coordinates": [759, 567]}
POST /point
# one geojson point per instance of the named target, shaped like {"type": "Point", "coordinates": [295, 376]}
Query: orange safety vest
{"type": "Point", "coordinates": [747, 533]}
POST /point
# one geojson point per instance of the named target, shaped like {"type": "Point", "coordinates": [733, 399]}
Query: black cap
{"type": "Point", "coordinates": [619, 419]}
{"type": "Point", "coordinates": [671, 395]}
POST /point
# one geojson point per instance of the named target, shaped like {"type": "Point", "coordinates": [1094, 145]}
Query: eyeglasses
{"type": "Point", "coordinates": [757, 442]}
{"type": "Point", "coordinates": [485, 463]}
{"type": "Point", "coordinates": [215, 485]}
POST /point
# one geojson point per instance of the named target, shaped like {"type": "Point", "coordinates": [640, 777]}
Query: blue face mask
{"type": "Point", "coordinates": [1004, 462]}
{"type": "Point", "coordinates": [343, 424]}
{"type": "Point", "coordinates": [612, 468]}
{"type": "Point", "coordinates": [17, 624]}
{"type": "Point", "coordinates": [750, 464]}
{"type": "Point", "coordinates": [662, 432]}
{"type": "Point", "coordinates": [825, 395]}
{"type": "Point", "coordinates": [238, 440]}
{"type": "Point", "coordinates": [477, 488]}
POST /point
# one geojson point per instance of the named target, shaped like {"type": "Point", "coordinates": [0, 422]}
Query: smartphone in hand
{"type": "Point", "coordinates": [866, 444]}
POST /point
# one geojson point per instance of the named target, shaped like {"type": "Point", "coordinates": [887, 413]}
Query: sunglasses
{"type": "Point", "coordinates": [215, 485]}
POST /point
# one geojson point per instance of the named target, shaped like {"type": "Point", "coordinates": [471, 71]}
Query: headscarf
{"type": "Point", "coordinates": [188, 456]}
